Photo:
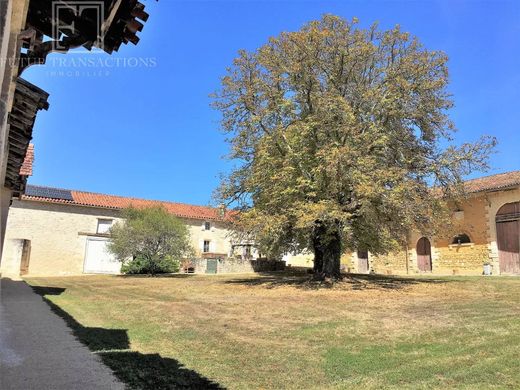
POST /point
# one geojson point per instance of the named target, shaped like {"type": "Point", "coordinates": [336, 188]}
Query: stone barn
{"type": "Point", "coordinates": [485, 231]}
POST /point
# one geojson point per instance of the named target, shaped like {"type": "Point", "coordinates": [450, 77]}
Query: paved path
{"type": "Point", "coordinates": [38, 350]}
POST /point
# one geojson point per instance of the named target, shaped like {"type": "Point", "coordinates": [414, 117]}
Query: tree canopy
{"type": "Point", "coordinates": [150, 239]}
{"type": "Point", "coordinates": [340, 133]}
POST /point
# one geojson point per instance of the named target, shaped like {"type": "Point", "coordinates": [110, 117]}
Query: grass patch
{"type": "Point", "coordinates": [281, 331]}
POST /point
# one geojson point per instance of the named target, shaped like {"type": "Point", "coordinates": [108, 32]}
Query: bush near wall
{"type": "Point", "coordinates": [140, 265]}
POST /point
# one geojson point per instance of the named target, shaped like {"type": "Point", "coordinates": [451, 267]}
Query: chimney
{"type": "Point", "coordinates": [222, 210]}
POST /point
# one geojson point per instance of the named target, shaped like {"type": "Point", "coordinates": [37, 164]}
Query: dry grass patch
{"type": "Point", "coordinates": [283, 331]}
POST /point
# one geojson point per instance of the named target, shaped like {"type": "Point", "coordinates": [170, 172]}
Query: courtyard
{"type": "Point", "coordinates": [281, 330]}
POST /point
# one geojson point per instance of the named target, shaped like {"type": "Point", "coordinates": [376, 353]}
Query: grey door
{"type": "Point", "coordinates": [363, 265]}
{"type": "Point", "coordinates": [211, 266]}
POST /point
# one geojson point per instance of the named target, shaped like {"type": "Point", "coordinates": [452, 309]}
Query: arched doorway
{"type": "Point", "coordinates": [363, 266]}
{"type": "Point", "coordinates": [508, 238]}
{"type": "Point", "coordinates": [424, 255]}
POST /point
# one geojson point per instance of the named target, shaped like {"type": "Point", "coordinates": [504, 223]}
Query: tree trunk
{"type": "Point", "coordinates": [318, 256]}
{"type": "Point", "coordinates": [152, 265]}
{"type": "Point", "coordinates": [327, 250]}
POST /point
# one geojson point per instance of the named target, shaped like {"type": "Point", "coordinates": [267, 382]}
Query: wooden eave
{"type": "Point", "coordinates": [119, 23]}
{"type": "Point", "coordinates": [28, 100]}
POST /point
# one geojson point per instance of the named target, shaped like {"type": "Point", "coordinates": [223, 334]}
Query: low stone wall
{"type": "Point", "coordinates": [466, 259]}
{"type": "Point", "coordinates": [231, 265]}
{"type": "Point", "coordinates": [393, 263]}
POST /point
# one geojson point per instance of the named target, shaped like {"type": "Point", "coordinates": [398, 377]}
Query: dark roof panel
{"type": "Point", "coordinates": [48, 192]}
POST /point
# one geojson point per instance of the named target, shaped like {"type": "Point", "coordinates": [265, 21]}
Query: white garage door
{"type": "Point", "coordinates": [98, 260]}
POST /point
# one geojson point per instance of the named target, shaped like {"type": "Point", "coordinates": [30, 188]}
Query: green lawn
{"type": "Point", "coordinates": [281, 331]}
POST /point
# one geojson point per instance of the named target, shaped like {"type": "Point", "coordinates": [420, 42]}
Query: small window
{"type": "Point", "coordinates": [207, 225]}
{"type": "Point", "coordinates": [103, 226]}
{"type": "Point", "coordinates": [248, 251]}
{"type": "Point", "coordinates": [205, 247]}
{"type": "Point", "coordinates": [461, 239]}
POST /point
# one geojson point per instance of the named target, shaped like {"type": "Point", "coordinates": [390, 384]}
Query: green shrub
{"type": "Point", "coordinates": [153, 238]}
{"type": "Point", "coordinates": [141, 265]}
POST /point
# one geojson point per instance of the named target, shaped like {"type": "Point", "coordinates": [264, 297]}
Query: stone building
{"type": "Point", "coordinates": [61, 232]}
{"type": "Point", "coordinates": [485, 230]}
{"type": "Point", "coordinates": [53, 231]}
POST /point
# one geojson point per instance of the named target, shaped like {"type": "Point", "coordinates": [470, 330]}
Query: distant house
{"type": "Point", "coordinates": [53, 231]}
{"type": "Point", "coordinates": [485, 230]}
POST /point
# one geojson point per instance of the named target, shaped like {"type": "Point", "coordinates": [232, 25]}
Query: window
{"type": "Point", "coordinates": [205, 247]}
{"type": "Point", "coordinates": [461, 239]}
{"type": "Point", "coordinates": [207, 225]}
{"type": "Point", "coordinates": [248, 251]}
{"type": "Point", "coordinates": [103, 226]}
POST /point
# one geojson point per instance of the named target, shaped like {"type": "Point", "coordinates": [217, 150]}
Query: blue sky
{"type": "Point", "coordinates": [148, 130]}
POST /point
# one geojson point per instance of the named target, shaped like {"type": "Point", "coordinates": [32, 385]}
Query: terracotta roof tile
{"type": "Point", "coordinates": [493, 182]}
{"type": "Point", "coordinates": [27, 165]}
{"type": "Point", "coordinates": [82, 198]}
{"type": "Point", "coordinates": [91, 199]}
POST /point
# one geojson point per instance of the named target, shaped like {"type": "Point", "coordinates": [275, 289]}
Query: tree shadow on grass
{"type": "Point", "coordinates": [134, 369]}
{"type": "Point", "coordinates": [302, 279]}
{"type": "Point", "coordinates": [157, 276]}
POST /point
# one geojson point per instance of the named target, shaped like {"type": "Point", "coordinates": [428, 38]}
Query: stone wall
{"type": "Point", "coordinates": [218, 236]}
{"type": "Point", "coordinates": [58, 236]}
{"type": "Point", "coordinates": [231, 265]}
{"type": "Point", "coordinates": [12, 20]}
{"type": "Point", "coordinates": [393, 263]}
{"type": "Point", "coordinates": [12, 257]}
{"type": "Point", "coordinates": [59, 232]}
{"type": "Point", "coordinates": [5, 200]}
{"type": "Point", "coordinates": [304, 259]}
{"type": "Point", "coordinates": [466, 259]}
{"type": "Point", "coordinates": [472, 217]}
{"type": "Point", "coordinates": [390, 264]}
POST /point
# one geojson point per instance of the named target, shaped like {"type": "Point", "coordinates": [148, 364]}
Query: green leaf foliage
{"type": "Point", "coordinates": [341, 132]}
{"type": "Point", "coordinates": [141, 265]}
{"type": "Point", "coordinates": [150, 240]}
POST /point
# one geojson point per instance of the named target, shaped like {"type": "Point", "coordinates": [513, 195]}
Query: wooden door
{"type": "Point", "coordinates": [424, 255]}
{"type": "Point", "coordinates": [508, 238]}
{"type": "Point", "coordinates": [26, 255]}
{"type": "Point", "coordinates": [362, 262]}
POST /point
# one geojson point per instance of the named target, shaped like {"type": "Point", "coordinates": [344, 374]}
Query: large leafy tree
{"type": "Point", "coordinates": [340, 133]}
{"type": "Point", "coordinates": [149, 240]}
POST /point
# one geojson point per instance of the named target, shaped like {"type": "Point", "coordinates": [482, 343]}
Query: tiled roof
{"type": "Point", "coordinates": [493, 182]}
{"type": "Point", "coordinates": [91, 199]}
{"type": "Point", "coordinates": [27, 165]}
